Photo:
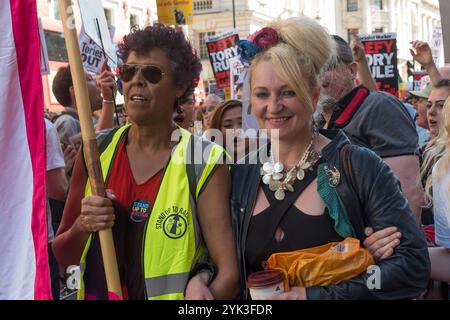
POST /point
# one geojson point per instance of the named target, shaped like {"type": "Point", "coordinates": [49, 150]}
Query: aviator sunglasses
{"type": "Point", "coordinates": [151, 73]}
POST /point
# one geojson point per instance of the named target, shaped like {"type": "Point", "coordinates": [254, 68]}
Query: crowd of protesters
{"type": "Point", "coordinates": [351, 161]}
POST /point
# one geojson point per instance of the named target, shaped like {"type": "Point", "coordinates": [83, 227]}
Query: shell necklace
{"type": "Point", "coordinates": [273, 172]}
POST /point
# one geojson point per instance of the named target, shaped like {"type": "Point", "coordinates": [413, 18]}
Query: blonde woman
{"type": "Point", "coordinates": [299, 196]}
{"type": "Point", "coordinates": [438, 184]}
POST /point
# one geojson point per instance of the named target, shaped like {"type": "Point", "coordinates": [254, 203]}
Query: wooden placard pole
{"type": "Point", "coordinates": [89, 142]}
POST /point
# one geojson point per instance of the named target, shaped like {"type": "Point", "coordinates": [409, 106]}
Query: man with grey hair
{"type": "Point", "coordinates": [376, 120]}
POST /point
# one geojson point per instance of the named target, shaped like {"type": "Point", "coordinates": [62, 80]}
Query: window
{"type": "Point", "coordinates": [202, 5]}
{"type": "Point", "coordinates": [351, 32]}
{"type": "Point", "coordinates": [134, 20]}
{"type": "Point", "coordinates": [55, 10]}
{"type": "Point", "coordinates": [108, 15]}
{"type": "Point", "coordinates": [352, 5]}
{"type": "Point", "coordinates": [56, 46]}
{"type": "Point", "coordinates": [378, 4]}
{"type": "Point", "coordinates": [378, 30]}
{"type": "Point", "coordinates": [203, 50]}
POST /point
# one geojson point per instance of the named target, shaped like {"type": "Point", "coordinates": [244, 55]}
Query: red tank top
{"type": "Point", "coordinates": [133, 208]}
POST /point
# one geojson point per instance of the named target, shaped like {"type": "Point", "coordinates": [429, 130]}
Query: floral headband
{"type": "Point", "coordinates": [257, 42]}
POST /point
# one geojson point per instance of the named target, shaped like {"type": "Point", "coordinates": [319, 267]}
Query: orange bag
{"type": "Point", "coordinates": [322, 266]}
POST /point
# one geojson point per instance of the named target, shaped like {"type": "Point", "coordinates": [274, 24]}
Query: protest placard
{"type": "Point", "coordinates": [381, 53]}
{"type": "Point", "coordinates": [236, 69]}
{"type": "Point", "coordinates": [436, 44]}
{"type": "Point", "coordinates": [91, 53]}
{"type": "Point", "coordinates": [444, 8]}
{"type": "Point", "coordinates": [221, 49]}
{"type": "Point", "coordinates": [175, 12]}
{"type": "Point", "coordinates": [96, 27]}
{"type": "Point", "coordinates": [45, 69]}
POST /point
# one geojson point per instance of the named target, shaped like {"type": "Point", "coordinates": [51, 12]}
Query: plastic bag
{"type": "Point", "coordinates": [322, 266]}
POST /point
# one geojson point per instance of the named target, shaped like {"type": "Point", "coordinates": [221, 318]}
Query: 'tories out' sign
{"type": "Point", "coordinates": [175, 12]}
{"type": "Point", "coordinates": [221, 49]}
{"type": "Point", "coordinates": [381, 52]}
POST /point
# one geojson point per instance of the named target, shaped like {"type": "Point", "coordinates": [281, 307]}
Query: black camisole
{"type": "Point", "coordinates": [300, 231]}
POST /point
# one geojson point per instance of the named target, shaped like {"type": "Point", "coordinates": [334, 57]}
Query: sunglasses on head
{"type": "Point", "coordinates": [151, 73]}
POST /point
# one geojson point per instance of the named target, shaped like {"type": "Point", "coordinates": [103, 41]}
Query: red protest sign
{"type": "Point", "coordinates": [381, 53]}
{"type": "Point", "coordinates": [221, 49]}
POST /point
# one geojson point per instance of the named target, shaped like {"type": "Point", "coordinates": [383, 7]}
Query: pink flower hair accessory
{"type": "Point", "coordinates": [265, 38]}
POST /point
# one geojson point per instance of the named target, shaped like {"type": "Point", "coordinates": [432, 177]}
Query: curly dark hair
{"type": "Point", "coordinates": [185, 62]}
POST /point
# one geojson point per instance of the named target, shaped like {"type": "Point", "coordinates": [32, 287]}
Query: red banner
{"type": "Point", "coordinates": [221, 49]}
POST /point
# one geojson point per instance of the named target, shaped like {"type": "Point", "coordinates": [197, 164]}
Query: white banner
{"type": "Point", "coordinates": [96, 27]}
{"type": "Point", "coordinates": [91, 54]}
{"type": "Point", "coordinates": [436, 44]}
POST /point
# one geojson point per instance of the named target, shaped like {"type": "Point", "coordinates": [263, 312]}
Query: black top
{"type": "Point", "coordinates": [300, 230]}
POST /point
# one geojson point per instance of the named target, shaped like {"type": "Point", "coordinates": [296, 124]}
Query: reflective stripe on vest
{"type": "Point", "coordinates": [164, 285]}
{"type": "Point", "coordinates": [172, 240]}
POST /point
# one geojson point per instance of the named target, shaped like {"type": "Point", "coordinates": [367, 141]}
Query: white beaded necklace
{"type": "Point", "coordinates": [273, 172]}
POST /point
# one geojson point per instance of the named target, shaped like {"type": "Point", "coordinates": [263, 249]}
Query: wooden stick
{"type": "Point", "coordinates": [90, 143]}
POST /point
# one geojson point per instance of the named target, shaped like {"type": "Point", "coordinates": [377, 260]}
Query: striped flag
{"type": "Point", "coordinates": [24, 271]}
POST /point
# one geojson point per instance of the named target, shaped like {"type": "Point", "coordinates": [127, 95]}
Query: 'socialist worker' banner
{"type": "Point", "coordinates": [175, 12]}
{"type": "Point", "coordinates": [381, 52]}
{"type": "Point", "coordinates": [221, 49]}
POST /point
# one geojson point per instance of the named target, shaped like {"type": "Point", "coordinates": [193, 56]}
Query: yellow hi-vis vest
{"type": "Point", "coordinates": [172, 242]}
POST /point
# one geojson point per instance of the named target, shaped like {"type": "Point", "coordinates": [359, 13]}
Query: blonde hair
{"type": "Point", "coordinates": [440, 149]}
{"type": "Point", "coordinates": [300, 56]}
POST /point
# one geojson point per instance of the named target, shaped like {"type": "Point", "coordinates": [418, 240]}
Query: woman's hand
{"type": "Point", "coordinates": [106, 82]}
{"type": "Point", "coordinates": [97, 213]}
{"type": "Point", "coordinates": [381, 244]}
{"type": "Point", "coordinates": [359, 54]}
{"type": "Point", "coordinates": [70, 154]}
{"type": "Point", "coordinates": [197, 288]}
{"type": "Point", "coordinates": [421, 52]}
{"type": "Point", "coordinates": [296, 293]}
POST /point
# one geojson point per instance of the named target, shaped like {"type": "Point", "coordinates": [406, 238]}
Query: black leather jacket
{"type": "Point", "coordinates": [378, 203]}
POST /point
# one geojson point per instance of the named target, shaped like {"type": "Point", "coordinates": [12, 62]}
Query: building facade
{"type": "Point", "coordinates": [122, 14]}
{"type": "Point", "coordinates": [410, 19]}
{"type": "Point", "coordinates": [212, 17]}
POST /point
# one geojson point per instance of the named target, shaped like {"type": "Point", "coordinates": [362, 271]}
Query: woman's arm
{"type": "Point", "coordinates": [70, 238]}
{"type": "Point", "coordinates": [421, 52]}
{"type": "Point", "coordinates": [81, 217]}
{"type": "Point", "coordinates": [364, 72]}
{"type": "Point", "coordinates": [440, 264]}
{"type": "Point", "coordinates": [215, 221]}
{"type": "Point", "coordinates": [405, 274]}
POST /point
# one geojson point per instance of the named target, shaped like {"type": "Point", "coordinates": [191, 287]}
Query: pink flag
{"type": "Point", "coordinates": [24, 271]}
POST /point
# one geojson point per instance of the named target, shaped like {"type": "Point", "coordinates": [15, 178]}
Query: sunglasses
{"type": "Point", "coordinates": [209, 109]}
{"type": "Point", "coordinates": [151, 73]}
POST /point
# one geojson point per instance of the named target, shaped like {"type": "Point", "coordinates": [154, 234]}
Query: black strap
{"type": "Point", "coordinates": [190, 169]}
{"type": "Point", "coordinates": [278, 209]}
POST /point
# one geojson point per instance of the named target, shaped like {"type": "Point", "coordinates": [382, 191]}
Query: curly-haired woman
{"type": "Point", "coordinates": [158, 205]}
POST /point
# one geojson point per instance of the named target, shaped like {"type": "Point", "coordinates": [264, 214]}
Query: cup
{"type": "Point", "coordinates": [265, 284]}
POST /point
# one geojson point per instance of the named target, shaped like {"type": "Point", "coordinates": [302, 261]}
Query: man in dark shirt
{"type": "Point", "coordinates": [375, 120]}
